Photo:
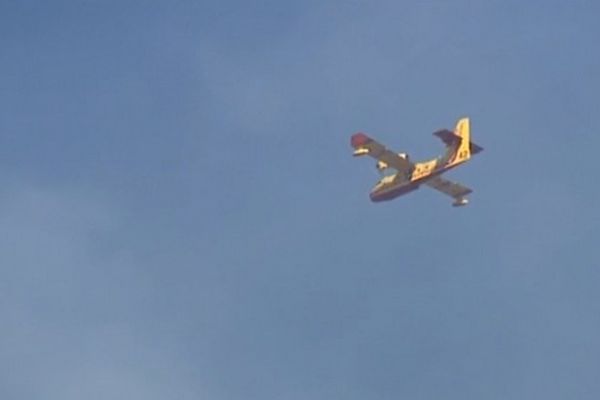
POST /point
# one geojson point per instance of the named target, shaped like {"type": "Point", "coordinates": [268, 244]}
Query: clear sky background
{"type": "Point", "coordinates": [181, 217]}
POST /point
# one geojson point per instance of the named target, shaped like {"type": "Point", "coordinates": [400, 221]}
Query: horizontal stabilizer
{"type": "Point", "coordinates": [475, 149]}
{"type": "Point", "coordinates": [448, 137]}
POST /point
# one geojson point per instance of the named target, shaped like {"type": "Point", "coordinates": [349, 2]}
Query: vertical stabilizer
{"type": "Point", "coordinates": [463, 130]}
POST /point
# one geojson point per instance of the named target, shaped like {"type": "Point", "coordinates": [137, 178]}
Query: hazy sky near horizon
{"type": "Point", "coordinates": [181, 217]}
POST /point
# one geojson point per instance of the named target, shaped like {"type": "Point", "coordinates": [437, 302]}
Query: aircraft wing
{"type": "Point", "coordinates": [452, 189]}
{"type": "Point", "coordinates": [364, 145]}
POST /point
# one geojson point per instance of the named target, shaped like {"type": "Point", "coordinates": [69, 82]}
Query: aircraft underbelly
{"type": "Point", "coordinates": [393, 192]}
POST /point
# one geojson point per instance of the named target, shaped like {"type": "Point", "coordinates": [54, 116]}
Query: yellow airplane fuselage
{"type": "Point", "coordinates": [392, 186]}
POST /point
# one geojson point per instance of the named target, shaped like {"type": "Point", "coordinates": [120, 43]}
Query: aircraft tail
{"type": "Point", "coordinates": [463, 130]}
{"type": "Point", "coordinates": [466, 148]}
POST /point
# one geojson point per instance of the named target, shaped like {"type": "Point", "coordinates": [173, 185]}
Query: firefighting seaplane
{"type": "Point", "coordinates": [410, 176]}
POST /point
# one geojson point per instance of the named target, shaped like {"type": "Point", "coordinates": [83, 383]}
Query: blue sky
{"type": "Point", "coordinates": [181, 216]}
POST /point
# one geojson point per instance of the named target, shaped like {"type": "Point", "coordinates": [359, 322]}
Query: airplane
{"type": "Point", "coordinates": [410, 176]}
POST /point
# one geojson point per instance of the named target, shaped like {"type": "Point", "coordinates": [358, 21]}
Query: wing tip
{"type": "Point", "coordinates": [359, 139]}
